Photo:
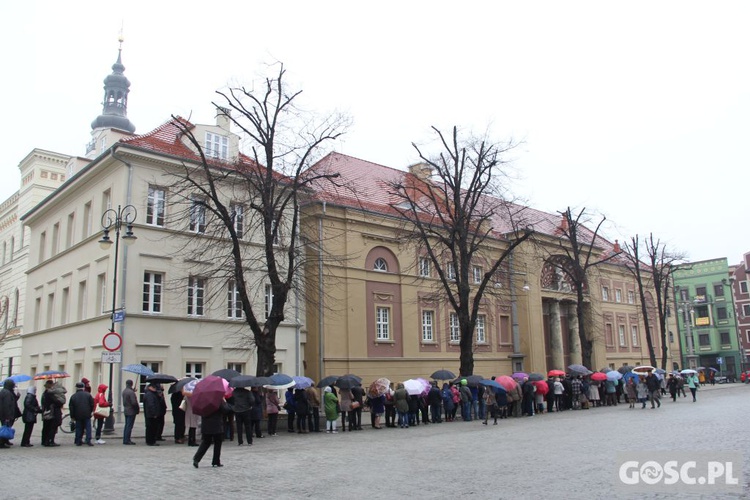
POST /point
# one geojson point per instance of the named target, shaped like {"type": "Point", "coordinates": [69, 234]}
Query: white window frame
{"type": "Point", "coordinates": [382, 323]}
{"type": "Point", "coordinates": [196, 293]}
{"type": "Point", "coordinates": [156, 206]}
{"type": "Point", "coordinates": [618, 295]}
{"type": "Point", "coordinates": [240, 367]}
{"type": "Point", "coordinates": [621, 335]}
{"type": "Point", "coordinates": [380, 265]}
{"type": "Point", "coordinates": [238, 219]}
{"type": "Point", "coordinates": [743, 286]}
{"type": "Point", "coordinates": [477, 273]}
{"type": "Point", "coordinates": [631, 297]}
{"type": "Point", "coordinates": [746, 310]}
{"type": "Point", "coordinates": [424, 267]}
{"type": "Point", "coordinates": [450, 271]}
{"type": "Point", "coordinates": [481, 329]}
{"type": "Point", "coordinates": [153, 289]}
{"type": "Point", "coordinates": [217, 146]}
{"type": "Point", "coordinates": [428, 326]}
{"type": "Point", "coordinates": [605, 294]}
{"type": "Point", "coordinates": [195, 369]}
{"type": "Point", "coordinates": [234, 304]}
{"type": "Point", "coordinates": [197, 215]}
{"type": "Point", "coordinates": [454, 328]}
{"type": "Point", "coordinates": [634, 335]}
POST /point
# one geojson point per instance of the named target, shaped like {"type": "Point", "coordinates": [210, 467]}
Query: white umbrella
{"type": "Point", "coordinates": [688, 371]}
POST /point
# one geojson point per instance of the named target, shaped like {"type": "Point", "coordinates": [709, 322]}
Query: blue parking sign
{"type": "Point", "coordinates": [119, 316]}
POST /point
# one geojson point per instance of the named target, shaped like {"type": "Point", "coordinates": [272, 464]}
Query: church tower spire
{"type": "Point", "coordinates": [115, 106]}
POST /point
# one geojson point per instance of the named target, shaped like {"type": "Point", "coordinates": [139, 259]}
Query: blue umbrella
{"type": "Point", "coordinates": [659, 371]}
{"type": "Point", "coordinates": [491, 383]}
{"type": "Point", "coordinates": [302, 382]}
{"type": "Point", "coordinates": [18, 378]}
{"type": "Point", "coordinates": [613, 375]}
{"type": "Point", "coordinates": [280, 379]}
{"type": "Point", "coordinates": [138, 369]}
{"type": "Point", "coordinates": [630, 375]}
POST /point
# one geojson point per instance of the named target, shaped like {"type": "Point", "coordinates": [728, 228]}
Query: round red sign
{"type": "Point", "coordinates": [112, 341]}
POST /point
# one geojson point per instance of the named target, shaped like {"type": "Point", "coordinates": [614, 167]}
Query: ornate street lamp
{"type": "Point", "coordinates": [114, 220]}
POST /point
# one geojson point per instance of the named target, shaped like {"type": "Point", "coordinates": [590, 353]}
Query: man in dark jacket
{"type": "Point", "coordinates": [434, 399]}
{"type": "Point", "coordinates": [151, 412]}
{"type": "Point", "coordinates": [355, 417]}
{"type": "Point", "coordinates": [243, 403]}
{"type": "Point", "coordinates": [653, 384]}
{"type": "Point", "coordinates": [8, 407]}
{"type": "Point", "coordinates": [81, 407]}
{"type": "Point", "coordinates": [130, 408]}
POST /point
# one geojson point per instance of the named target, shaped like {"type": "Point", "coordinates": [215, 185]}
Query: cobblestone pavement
{"type": "Point", "coordinates": [564, 455]}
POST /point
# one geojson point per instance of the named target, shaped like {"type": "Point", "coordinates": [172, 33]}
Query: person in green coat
{"type": "Point", "coordinates": [693, 383]}
{"type": "Point", "coordinates": [331, 404]}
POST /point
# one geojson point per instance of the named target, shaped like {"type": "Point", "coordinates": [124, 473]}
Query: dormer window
{"type": "Point", "coordinates": [380, 265]}
{"type": "Point", "coordinates": [217, 146]}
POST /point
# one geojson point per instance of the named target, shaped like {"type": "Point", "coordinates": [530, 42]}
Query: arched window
{"type": "Point", "coordinates": [380, 265]}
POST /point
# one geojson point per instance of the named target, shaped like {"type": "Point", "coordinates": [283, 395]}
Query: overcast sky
{"type": "Point", "coordinates": [638, 111]}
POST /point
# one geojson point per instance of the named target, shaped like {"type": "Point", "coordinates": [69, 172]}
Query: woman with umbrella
{"type": "Point", "coordinates": [30, 410]}
{"type": "Point", "coordinates": [448, 404]}
{"type": "Point", "coordinates": [331, 406]}
{"type": "Point", "coordinates": [53, 399]}
{"type": "Point", "coordinates": [212, 432]}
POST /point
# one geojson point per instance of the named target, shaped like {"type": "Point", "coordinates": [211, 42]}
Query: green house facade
{"type": "Point", "coordinates": [706, 317]}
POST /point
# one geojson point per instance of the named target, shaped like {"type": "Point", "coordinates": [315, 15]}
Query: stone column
{"type": "Point", "coordinates": [555, 336]}
{"type": "Point", "coordinates": [575, 341]}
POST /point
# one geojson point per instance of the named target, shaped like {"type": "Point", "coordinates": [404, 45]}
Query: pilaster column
{"type": "Point", "coordinates": [575, 341]}
{"type": "Point", "coordinates": [555, 336]}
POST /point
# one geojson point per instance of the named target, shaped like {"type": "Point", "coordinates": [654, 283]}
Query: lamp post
{"type": "Point", "coordinates": [114, 220]}
{"type": "Point", "coordinates": [517, 357]}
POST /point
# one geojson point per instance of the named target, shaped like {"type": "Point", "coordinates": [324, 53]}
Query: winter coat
{"type": "Point", "coordinates": [641, 390]}
{"type": "Point", "coordinates": [101, 399]}
{"type": "Point", "coordinates": [151, 404]}
{"type": "Point", "coordinates": [693, 382]}
{"type": "Point", "coordinates": [448, 399]}
{"type": "Point", "coordinates": [433, 397]}
{"type": "Point", "coordinates": [214, 423]}
{"type": "Point", "coordinates": [8, 405]}
{"type": "Point", "coordinates": [30, 408]}
{"type": "Point", "coordinates": [81, 405]}
{"type": "Point", "coordinates": [289, 403]}
{"type": "Point", "coordinates": [515, 394]}
{"type": "Point", "coordinates": [377, 404]}
{"type": "Point", "coordinates": [313, 400]}
{"type": "Point", "coordinates": [300, 402]}
{"type": "Point", "coordinates": [465, 394]}
{"type": "Point", "coordinates": [54, 399]}
{"type": "Point", "coordinates": [130, 404]}
{"type": "Point", "coordinates": [358, 395]}
{"type": "Point", "coordinates": [243, 400]}
{"type": "Point", "coordinates": [256, 412]}
{"type": "Point", "coordinates": [345, 400]}
{"type": "Point", "coordinates": [652, 382]}
{"type": "Point", "coordinates": [330, 402]}
{"type": "Point", "coordinates": [401, 397]}
{"type": "Point", "coordinates": [273, 405]}
{"type": "Point", "coordinates": [192, 421]}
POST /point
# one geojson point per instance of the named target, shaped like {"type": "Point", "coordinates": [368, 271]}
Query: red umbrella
{"type": "Point", "coordinates": [507, 382]}
{"type": "Point", "coordinates": [541, 387]}
{"type": "Point", "coordinates": [599, 376]}
{"type": "Point", "coordinates": [208, 395]}
{"type": "Point", "coordinates": [556, 373]}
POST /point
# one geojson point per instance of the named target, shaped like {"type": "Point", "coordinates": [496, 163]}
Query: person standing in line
{"type": "Point", "coordinates": [490, 406]}
{"type": "Point", "coordinates": [289, 406]}
{"type": "Point", "coordinates": [434, 399]}
{"type": "Point", "coordinates": [8, 408]}
{"type": "Point", "coordinates": [313, 403]}
{"type": "Point", "coordinates": [53, 399]}
{"type": "Point", "coordinates": [178, 416]}
{"type": "Point", "coordinates": [161, 417]}
{"type": "Point", "coordinates": [30, 410]}
{"type": "Point", "coordinates": [212, 432]}
{"type": "Point", "coordinates": [465, 401]}
{"type": "Point", "coordinates": [130, 408]}
{"type": "Point", "coordinates": [693, 383]}
{"type": "Point", "coordinates": [630, 389]}
{"type": "Point", "coordinates": [331, 407]}
{"type": "Point", "coordinates": [355, 420]}
{"type": "Point", "coordinates": [390, 407]}
{"type": "Point", "coordinates": [273, 406]}
{"type": "Point", "coordinates": [401, 399]}
{"type": "Point", "coordinates": [151, 409]}
{"type": "Point", "coordinates": [243, 403]}
{"type": "Point", "coordinates": [345, 405]}
{"type": "Point", "coordinates": [81, 407]}
{"type": "Point", "coordinates": [559, 390]}
{"type": "Point", "coordinates": [256, 413]}
{"type": "Point", "coordinates": [101, 402]}
{"type": "Point", "coordinates": [192, 421]}
{"type": "Point", "coordinates": [300, 403]}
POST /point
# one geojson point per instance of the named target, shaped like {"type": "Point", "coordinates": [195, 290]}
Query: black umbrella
{"type": "Point", "coordinates": [329, 380]}
{"type": "Point", "coordinates": [348, 381]}
{"type": "Point", "coordinates": [471, 380]}
{"type": "Point", "coordinates": [579, 369]}
{"type": "Point", "coordinates": [536, 377]}
{"type": "Point", "coordinates": [355, 377]}
{"type": "Point", "coordinates": [443, 375]}
{"type": "Point", "coordinates": [249, 381]}
{"type": "Point", "coordinates": [180, 384]}
{"type": "Point", "coordinates": [161, 378]}
{"type": "Point", "coordinates": [227, 374]}
{"type": "Point", "coordinates": [625, 369]}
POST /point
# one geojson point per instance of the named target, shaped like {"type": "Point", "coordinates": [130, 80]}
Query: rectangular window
{"type": "Point", "coordinates": [631, 297]}
{"type": "Point", "coordinates": [700, 293]}
{"type": "Point", "coordinates": [152, 292]}
{"type": "Point", "coordinates": [605, 293]}
{"type": "Point", "coordinates": [42, 245]}
{"type": "Point", "coordinates": [609, 335]}
{"type": "Point", "coordinates": [621, 333]}
{"type": "Point", "coordinates": [70, 230]}
{"type": "Point", "coordinates": [101, 293]}
{"type": "Point", "coordinates": [428, 322]}
{"type": "Point", "coordinates": [64, 306]}
{"type": "Point", "coordinates": [505, 330]}
{"type": "Point", "coordinates": [238, 219]}
{"type": "Point", "coordinates": [196, 290]}
{"type": "Point", "coordinates": [156, 368]}
{"type": "Point", "coordinates": [480, 329]}
{"type": "Point", "coordinates": [746, 310]}
{"type": "Point", "coordinates": [106, 200]}
{"type": "Point", "coordinates": [194, 370]}
{"type": "Point", "coordinates": [721, 313]}
{"type": "Point", "coordinates": [268, 300]}
{"type": "Point", "coordinates": [155, 206]}
{"type": "Point", "coordinates": [719, 290]}
{"type": "Point", "coordinates": [86, 222]}
{"type": "Point", "coordinates": [197, 214]}
{"type": "Point", "coordinates": [704, 339]}
{"type": "Point", "coordinates": [634, 335]}
{"type": "Point", "coordinates": [234, 304]}
{"type": "Point", "coordinates": [217, 146]}
{"type": "Point", "coordinates": [724, 336]}
{"type": "Point", "coordinates": [82, 301]}
{"type": "Point", "coordinates": [382, 323]}
{"type": "Point", "coordinates": [477, 273]}
{"type": "Point", "coordinates": [50, 310]}
{"type": "Point", "coordinates": [451, 271]}
{"type": "Point", "coordinates": [747, 336]}
{"type": "Point", "coordinates": [743, 287]}
{"type": "Point", "coordinates": [240, 367]}
{"type": "Point", "coordinates": [424, 267]}
{"type": "Point", "coordinates": [55, 238]}
{"type": "Point", "coordinates": [37, 313]}
{"type": "Point", "coordinates": [455, 330]}
{"type": "Point", "coordinates": [618, 295]}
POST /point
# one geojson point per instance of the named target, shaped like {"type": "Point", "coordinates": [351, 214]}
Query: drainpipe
{"type": "Point", "coordinates": [320, 293]}
{"type": "Point", "coordinates": [517, 355]}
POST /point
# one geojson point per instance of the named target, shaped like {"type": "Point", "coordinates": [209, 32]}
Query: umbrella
{"type": "Point", "coordinates": [520, 375]}
{"type": "Point", "coordinates": [579, 369]}
{"type": "Point", "coordinates": [536, 377]}
{"type": "Point", "coordinates": [613, 375]}
{"type": "Point", "coordinates": [541, 387]}
{"type": "Point", "coordinates": [688, 371]}
{"type": "Point", "coordinates": [348, 381]}
{"type": "Point", "coordinates": [18, 378]}
{"type": "Point", "coordinates": [189, 387]}
{"type": "Point", "coordinates": [556, 373]}
{"type": "Point", "coordinates": [227, 374]}
{"type": "Point", "coordinates": [329, 380]}
{"type": "Point", "coordinates": [443, 375]}
{"type": "Point", "coordinates": [379, 387]}
{"type": "Point", "coordinates": [701, 368]}
{"type": "Point", "coordinates": [302, 382]}
{"type": "Point", "coordinates": [645, 369]}
{"type": "Point", "coordinates": [598, 376]}
{"type": "Point", "coordinates": [471, 380]}
{"type": "Point", "coordinates": [208, 395]}
{"type": "Point", "coordinates": [624, 369]}
{"type": "Point", "coordinates": [507, 382]}
{"type": "Point", "coordinates": [606, 369]}
{"type": "Point", "coordinates": [710, 368]}
{"type": "Point", "coordinates": [249, 381]}
{"type": "Point", "coordinates": [282, 379]}
{"type": "Point", "coordinates": [50, 374]}
{"type": "Point", "coordinates": [138, 369]}
{"type": "Point", "coordinates": [415, 387]}
{"type": "Point", "coordinates": [629, 375]}
{"type": "Point", "coordinates": [180, 384]}
{"type": "Point", "coordinates": [161, 378]}
{"type": "Point", "coordinates": [659, 371]}
{"type": "Point", "coordinates": [494, 384]}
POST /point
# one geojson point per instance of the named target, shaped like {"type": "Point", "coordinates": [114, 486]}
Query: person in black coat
{"type": "Point", "coordinates": [256, 412]}
{"type": "Point", "coordinates": [300, 403]}
{"type": "Point", "coordinates": [151, 411]}
{"type": "Point", "coordinates": [8, 407]}
{"type": "Point", "coordinates": [30, 410]}
{"type": "Point", "coordinates": [243, 401]}
{"type": "Point", "coordinates": [81, 407]}
{"type": "Point", "coordinates": [434, 399]}
{"type": "Point", "coordinates": [212, 432]}
{"type": "Point", "coordinates": [355, 416]}
{"type": "Point", "coordinates": [178, 416]}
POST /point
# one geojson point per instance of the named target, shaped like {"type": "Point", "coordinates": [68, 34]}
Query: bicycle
{"type": "Point", "coordinates": [68, 425]}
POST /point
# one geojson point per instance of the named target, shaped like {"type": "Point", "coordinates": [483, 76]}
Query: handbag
{"type": "Point", "coordinates": [48, 415]}
{"type": "Point", "coordinates": [102, 411]}
{"type": "Point", "coordinates": [7, 432]}
{"type": "Point", "coordinates": [355, 405]}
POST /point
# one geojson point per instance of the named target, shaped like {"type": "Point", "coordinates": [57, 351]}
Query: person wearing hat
{"type": "Point", "coordinates": [81, 408]}
{"type": "Point", "coordinates": [151, 411]}
{"type": "Point", "coordinates": [8, 407]}
{"type": "Point", "coordinates": [465, 393]}
{"type": "Point", "coordinates": [130, 408]}
{"type": "Point", "coordinates": [52, 401]}
{"type": "Point", "coordinates": [86, 384]}
{"type": "Point", "coordinates": [30, 410]}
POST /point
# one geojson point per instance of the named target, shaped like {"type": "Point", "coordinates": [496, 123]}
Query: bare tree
{"type": "Point", "coordinates": [632, 254]}
{"type": "Point", "coordinates": [455, 212]}
{"type": "Point", "coordinates": [259, 194]}
{"type": "Point", "coordinates": [579, 254]}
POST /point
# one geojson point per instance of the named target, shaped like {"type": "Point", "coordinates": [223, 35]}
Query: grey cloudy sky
{"type": "Point", "coordinates": [637, 111]}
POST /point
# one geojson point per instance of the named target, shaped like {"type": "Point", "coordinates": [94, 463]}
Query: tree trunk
{"type": "Point", "coordinates": [466, 367]}
{"type": "Point", "coordinates": [586, 344]}
{"type": "Point", "coordinates": [266, 352]}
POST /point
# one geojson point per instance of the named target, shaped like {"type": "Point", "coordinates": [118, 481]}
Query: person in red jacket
{"type": "Point", "coordinates": [101, 402]}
